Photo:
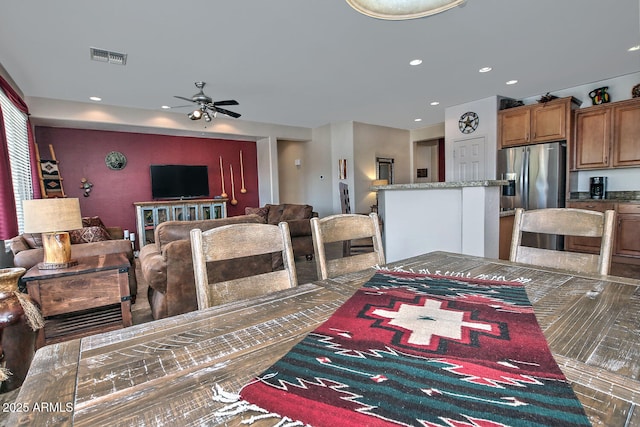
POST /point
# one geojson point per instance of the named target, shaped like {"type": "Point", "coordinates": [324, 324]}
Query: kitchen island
{"type": "Point", "coordinates": [460, 217]}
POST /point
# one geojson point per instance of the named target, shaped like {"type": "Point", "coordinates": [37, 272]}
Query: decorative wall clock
{"type": "Point", "coordinates": [468, 122]}
{"type": "Point", "coordinates": [115, 160]}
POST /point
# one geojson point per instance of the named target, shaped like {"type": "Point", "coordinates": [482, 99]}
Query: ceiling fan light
{"type": "Point", "coordinates": [397, 10]}
{"type": "Point", "coordinates": [207, 117]}
{"type": "Point", "coordinates": [195, 115]}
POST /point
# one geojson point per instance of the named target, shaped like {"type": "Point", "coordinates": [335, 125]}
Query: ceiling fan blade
{"type": "Point", "coordinates": [227, 112]}
{"type": "Point", "coordinates": [227, 102]}
{"type": "Point", "coordinates": [183, 98]}
{"type": "Point", "coordinates": [181, 106]}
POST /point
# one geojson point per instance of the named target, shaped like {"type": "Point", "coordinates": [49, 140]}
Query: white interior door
{"type": "Point", "coordinates": [469, 159]}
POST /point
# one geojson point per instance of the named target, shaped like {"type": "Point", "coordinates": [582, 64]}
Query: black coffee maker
{"type": "Point", "coordinates": [598, 187]}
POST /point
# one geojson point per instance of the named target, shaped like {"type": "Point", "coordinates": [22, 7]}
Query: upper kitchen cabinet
{"type": "Point", "coordinates": [607, 135]}
{"type": "Point", "coordinates": [626, 134]}
{"type": "Point", "coordinates": [542, 122]}
{"type": "Point", "coordinates": [514, 126]}
{"type": "Point", "coordinates": [593, 135]}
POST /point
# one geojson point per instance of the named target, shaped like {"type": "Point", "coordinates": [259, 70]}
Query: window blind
{"type": "Point", "coordinates": [15, 123]}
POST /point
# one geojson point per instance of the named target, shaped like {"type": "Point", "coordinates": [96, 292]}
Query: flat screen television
{"type": "Point", "coordinates": [179, 181]}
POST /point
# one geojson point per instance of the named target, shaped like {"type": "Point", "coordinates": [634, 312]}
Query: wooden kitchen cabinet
{"type": "Point", "coordinates": [549, 121]}
{"type": "Point", "coordinates": [593, 135]}
{"type": "Point", "coordinates": [625, 149]}
{"type": "Point", "coordinates": [607, 135]}
{"type": "Point", "coordinates": [514, 126]}
{"type": "Point", "coordinates": [627, 242]}
{"type": "Point", "coordinates": [542, 122]}
{"type": "Point", "coordinates": [586, 244]}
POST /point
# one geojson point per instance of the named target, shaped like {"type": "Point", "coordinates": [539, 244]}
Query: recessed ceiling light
{"type": "Point", "coordinates": [485, 69]}
{"type": "Point", "coordinates": [512, 82]}
{"type": "Point", "coordinates": [165, 107]}
{"type": "Point", "coordinates": [634, 48]}
{"type": "Point", "coordinates": [415, 62]}
{"type": "Point", "coordinates": [434, 103]}
{"type": "Point", "coordinates": [417, 120]}
{"type": "Point", "coordinates": [95, 98]}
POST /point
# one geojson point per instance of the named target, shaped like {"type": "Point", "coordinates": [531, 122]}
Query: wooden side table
{"type": "Point", "coordinates": [82, 300]}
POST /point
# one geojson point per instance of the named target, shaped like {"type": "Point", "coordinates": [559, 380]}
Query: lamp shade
{"type": "Point", "coordinates": [402, 9]}
{"type": "Point", "coordinates": [51, 215]}
{"type": "Point", "coordinates": [378, 182]}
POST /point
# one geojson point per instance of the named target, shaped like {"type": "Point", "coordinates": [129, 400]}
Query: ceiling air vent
{"type": "Point", "coordinates": [102, 55]}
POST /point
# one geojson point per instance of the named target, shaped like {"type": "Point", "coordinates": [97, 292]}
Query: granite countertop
{"type": "Point", "coordinates": [440, 185]}
{"type": "Point", "coordinates": [612, 196]}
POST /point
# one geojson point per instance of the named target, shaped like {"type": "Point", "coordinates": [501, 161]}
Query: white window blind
{"type": "Point", "coordinates": [15, 124]}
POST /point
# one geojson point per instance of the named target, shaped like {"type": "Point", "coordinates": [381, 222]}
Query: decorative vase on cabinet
{"type": "Point", "coordinates": [19, 321]}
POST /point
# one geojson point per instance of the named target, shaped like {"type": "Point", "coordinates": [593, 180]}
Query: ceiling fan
{"type": "Point", "coordinates": [207, 108]}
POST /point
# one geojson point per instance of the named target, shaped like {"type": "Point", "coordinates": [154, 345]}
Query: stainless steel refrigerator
{"type": "Point", "coordinates": [537, 176]}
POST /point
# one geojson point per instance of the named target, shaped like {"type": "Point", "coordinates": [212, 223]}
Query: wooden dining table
{"type": "Point", "coordinates": [165, 372]}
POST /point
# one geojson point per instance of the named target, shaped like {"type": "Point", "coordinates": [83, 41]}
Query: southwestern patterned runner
{"type": "Point", "coordinates": [419, 350]}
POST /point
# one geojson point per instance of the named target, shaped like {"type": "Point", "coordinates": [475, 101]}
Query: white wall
{"type": "Point", "coordinates": [371, 141]}
{"type": "Point", "coordinates": [421, 150]}
{"type": "Point", "coordinates": [425, 155]}
{"type": "Point", "coordinates": [487, 110]}
{"type": "Point", "coordinates": [292, 183]}
{"type": "Point", "coordinates": [619, 89]}
{"type": "Point", "coordinates": [316, 165]}
{"type": "Point", "coordinates": [428, 132]}
{"type": "Point", "coordinates": [342, 143]}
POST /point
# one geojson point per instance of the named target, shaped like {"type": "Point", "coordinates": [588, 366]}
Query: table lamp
{"type": "Point", "coordinates": [53, 218]}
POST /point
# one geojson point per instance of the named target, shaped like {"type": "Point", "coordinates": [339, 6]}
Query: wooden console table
{"type": "Point", "coordinates": [150, 214]}
{"type": "Point", "coordinates": [88, 298]}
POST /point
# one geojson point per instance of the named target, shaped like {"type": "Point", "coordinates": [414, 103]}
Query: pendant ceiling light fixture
{"type": "Point", "coordinates": [402, 9]}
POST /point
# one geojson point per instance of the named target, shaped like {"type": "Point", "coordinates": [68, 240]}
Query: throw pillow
{"type": "Point", "coordinates": [89, 235]}
{"type": "Point", "coordinates": [275, 213]}
{"type": "Point", "coordinates": [34, 240]}
{"type": "Point", "coordinates": [262, 212]}
{"type": "Point", "coordinates": [291, 212]}
{"type": "Point", "coordinates": [92, 221]}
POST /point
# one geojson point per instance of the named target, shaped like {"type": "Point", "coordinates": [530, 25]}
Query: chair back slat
{"type": "Point", "coordinates": [240, 241]}
{"type": "Point", "coordinates": [247, 287]}
{"type": "Point", "coordinates": [346, 227]}
{"type": "Point", "coordinates": [576, 261]}
{"type": "Point", "coordinates": [352, 263]}
{"type": "Point", "coordinates": [565, 222]}
{"type": "Point", "coordinates": [572, 222]}
{"type": "Point", "coordinates": [237, 242]}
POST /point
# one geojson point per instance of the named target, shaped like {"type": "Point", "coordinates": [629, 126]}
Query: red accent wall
{"type": "Point", "coordinates": [81, 154]}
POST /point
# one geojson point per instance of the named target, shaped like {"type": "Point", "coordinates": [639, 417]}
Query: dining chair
{"type": "Point", "coordinates": [346, 227]}
{"type": "Point", "coordinates": [350, 247]}
{"type": "Point", "coordinates": [565, 222]}
{"type": "Point", "coordinates": [231, 242]}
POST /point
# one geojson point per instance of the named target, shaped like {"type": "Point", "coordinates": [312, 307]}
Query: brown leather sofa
{"type": "Point", "coordinates": [167, 266]}
{"type": "Point", "coordinates": [27, 248]}
{"type": "Point", "coordinates": [297, 216]}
